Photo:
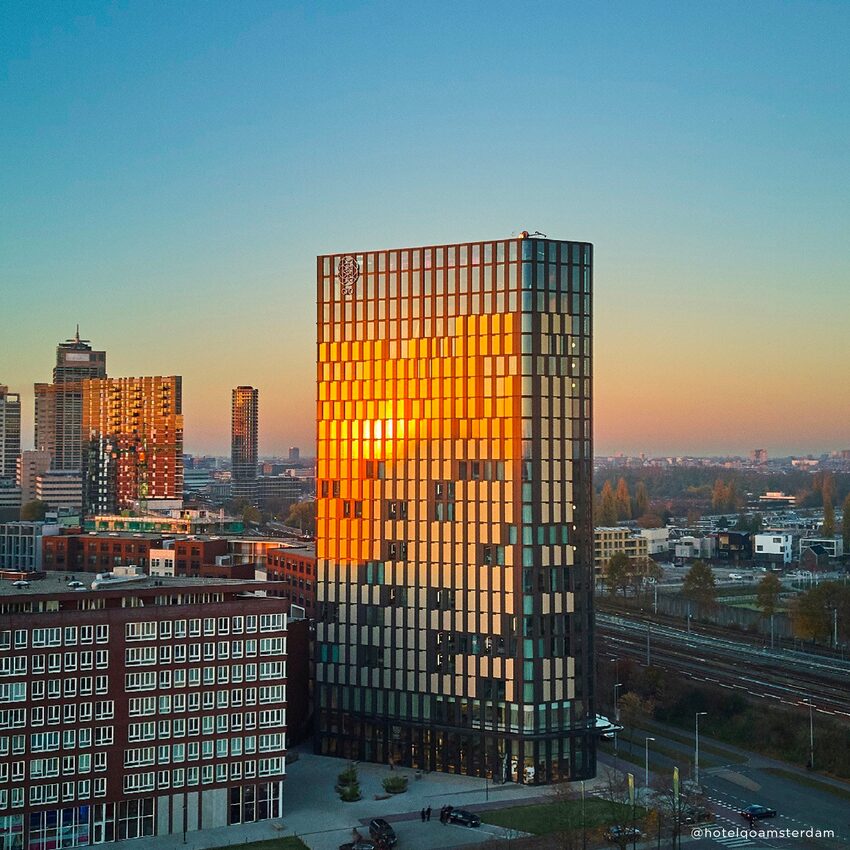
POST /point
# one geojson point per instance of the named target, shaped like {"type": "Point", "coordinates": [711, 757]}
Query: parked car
{"type": "Point", "coordinates": [362, 844]}
{"type": "Point", "coordinates": [757, 812]}
{"type": "Point", "coordinates": [618, 833]}
{"type": "Point", "coordinates": [380, 830]}
{"type": "Point", "coordinates": [20, 583]}
{"type": "Point", "coordinates": [735, 577]}
{"type": "Point", "coordinates": [75, 584]}
{"type": "Point", "coordinates": [464, 818]}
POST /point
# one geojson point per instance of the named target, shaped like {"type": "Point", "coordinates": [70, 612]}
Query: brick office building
{"type": "Point", "coordinates": [142, 709]}
{"type": "Point", "coordinates": [293, 570]}
{"type": "Point", "coordinates": [97, 552]}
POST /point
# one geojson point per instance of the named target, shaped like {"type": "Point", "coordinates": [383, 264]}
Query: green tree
{"type": "Point", "coordinates": [623, 500]}
{"type": "Point", "coordinates": [618, 573]}
{"type": "Point", "coordinates": [33, 511]}
{"type": "Point", "coordinates": [767, 594]}
{"type": "Point", "coordinates": [845, 523]}
{"type": "Point", "coordinates": [641, 499]}
{"type": "Point", "coordinates": [251, 515]}
{"type": "Point", "coordinates": [607, 506]}
{"type": "Point", "coordinates": [303, 515]}
{"type": "Point", "coordinates": [699, 585]}
{"type": "Point", "coordinates": [828, 527]}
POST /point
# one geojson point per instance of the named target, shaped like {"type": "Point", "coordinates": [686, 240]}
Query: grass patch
{"type": "Point", "coordinates": [545, 818]}
{"type": "Point", "coordinates": [810, 782]}
{"type": "Point", "coordinates": [676, 756]}
{"type": "Point", "coordinates": [289, 842]}
{"type": "Point", "coordinates": [727, 756]}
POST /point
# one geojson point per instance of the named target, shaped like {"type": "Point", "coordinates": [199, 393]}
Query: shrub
{"type": "Point", "coordinates": [395, 784]}
{"type": "Point", "coordinates": [350, 793]}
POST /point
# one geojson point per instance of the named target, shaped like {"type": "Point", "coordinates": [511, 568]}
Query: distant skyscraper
{"type": "Point", "coordinates": [58, 406]}
{"type": "Point", "coordinates": [10, 432]}
{"type": "Point", "coordinates": [455, 541]}
{"type": "Point", "coordinates": [243, 443]}
{"type": "Point", "coordinates": [30, 466]}
{"type": "Point", "coordinates": [134, 441]}
{"type": "Point", "coordinates": [759, 455]}
{"type": "Point", "coordinates": [294, 453]}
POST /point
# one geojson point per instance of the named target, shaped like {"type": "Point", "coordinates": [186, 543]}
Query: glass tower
{"type": "Point", "coordinates": [243, 443]}
{"type": "Point", "coordinates": [455, 542]}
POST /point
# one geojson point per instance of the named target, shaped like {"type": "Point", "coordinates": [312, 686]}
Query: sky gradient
{"type": "Point", "coordinates": [169, 173]}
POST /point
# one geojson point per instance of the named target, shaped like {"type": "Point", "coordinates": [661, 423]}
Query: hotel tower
{"type": "Point", "coordinates": [455, 542]}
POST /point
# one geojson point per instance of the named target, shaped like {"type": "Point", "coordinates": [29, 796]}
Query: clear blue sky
{"type": "Point", "coordinates": [168, 172]}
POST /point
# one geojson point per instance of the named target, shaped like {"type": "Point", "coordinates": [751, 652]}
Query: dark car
{"type": "Point", "coordinates": [756, 812]}
{"type": "Point", "coordinates": [362, 844]}
{"type": "Point", "coordinates": [618, 833]}
{"type": "Point", "coordinates": [381, 831]}
{"type": "Point", "coordinates": [464, 818]}
{"type": "Point", "coordinates": [696, 814]}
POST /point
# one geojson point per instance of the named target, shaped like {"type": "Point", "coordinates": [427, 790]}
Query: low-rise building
{"type": "Point", "coordinates": [612, 540]}
{"type": "Point", "coordinates": [21, 544]}
{"type": "Point", "coordinates": [94, 552]}
{"type": "Point", "coordinates": [833, 546]}
{"type": "Point", "coordinates": [773, 547]}
{"type": "Point", "coordinates": [144, 708]}
{"type": "Point", "coordinates": [734, 545]}
{"type": "Point", "coordinates": [657, 540]}
{"type": "Point", "coordinates": [689, 548]}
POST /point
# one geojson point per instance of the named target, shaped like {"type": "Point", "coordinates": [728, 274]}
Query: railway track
{"type": "Point", "coordinates": [741, 669]}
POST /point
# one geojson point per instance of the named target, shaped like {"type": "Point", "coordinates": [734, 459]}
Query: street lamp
{"type": "Point", "coordinates": [696, 752]}
{"type": "Point", "coordinates": [810, 704]}
{"type": "Point", "coordinates": [617, 686]}
{"type": "Point", "coordinates": [646, 783]}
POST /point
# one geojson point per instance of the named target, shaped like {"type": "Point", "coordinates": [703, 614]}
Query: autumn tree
{"type": "Point", "coordinates": [699, 585]}
{"type": "Point", "coordinates": [607, 506]}
{"type": "Point", "coordinates": [828, 527]}
{"type": "Point", "coordinates": [623, 500]}
{"type": "Point", "coordinates": [634, 712]}
{"type": "Point", "coordinates": [767, 594]}
{"type": "Point", "coordinates": [650, 521]}
{"type": "Point", "coordinates": [815, 612]}
{"type": "Point", "coordinates": [641, 499]}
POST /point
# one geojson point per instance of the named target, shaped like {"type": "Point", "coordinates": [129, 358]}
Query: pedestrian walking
{"type": "Point", "coordinates": [422, 815]}
{"type": "Point", "coordinates": [428, 814]}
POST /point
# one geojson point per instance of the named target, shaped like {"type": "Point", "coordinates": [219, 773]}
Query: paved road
{"type": "Point", "coordinates": [734, 779]}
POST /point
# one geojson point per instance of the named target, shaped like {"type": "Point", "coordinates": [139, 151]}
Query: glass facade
{"type": "Point", "coordinates": [455, 543]}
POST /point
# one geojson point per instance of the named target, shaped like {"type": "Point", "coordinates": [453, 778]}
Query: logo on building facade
{"type": "Point", "coordinates": [348, 273]}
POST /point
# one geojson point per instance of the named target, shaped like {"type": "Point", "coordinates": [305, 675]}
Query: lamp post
{"type": "Point", "coordinates": [808, 702]}
{"type": "Point", "coordinates": [646, 783]}
{"type": "Point", "coordinates": [617, 686]}
{"type": "Point", "coordinates": [696, 750]}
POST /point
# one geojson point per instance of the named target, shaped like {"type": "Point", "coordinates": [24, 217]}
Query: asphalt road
{"type": "Point", "coordinates": [734, 779]}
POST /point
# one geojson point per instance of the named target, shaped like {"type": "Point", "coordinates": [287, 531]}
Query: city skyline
{"type": "Point", "coordinates": [695, 146]}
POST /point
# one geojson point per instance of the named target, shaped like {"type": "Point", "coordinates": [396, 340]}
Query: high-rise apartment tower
{"type": "Point", "coordinates": [59, 406]}
{"type": "Point", "coordinates": [10, 432]}
{"type": "Point", "coordinates": [243, 443]}
{"type": "Point", "coordinates": [455, 542]}
{"type": "Point", "coordinates": [134, 441]}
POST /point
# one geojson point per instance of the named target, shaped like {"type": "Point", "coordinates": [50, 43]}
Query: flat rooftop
{"type": "Point", "coordinates": [57, 583]}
